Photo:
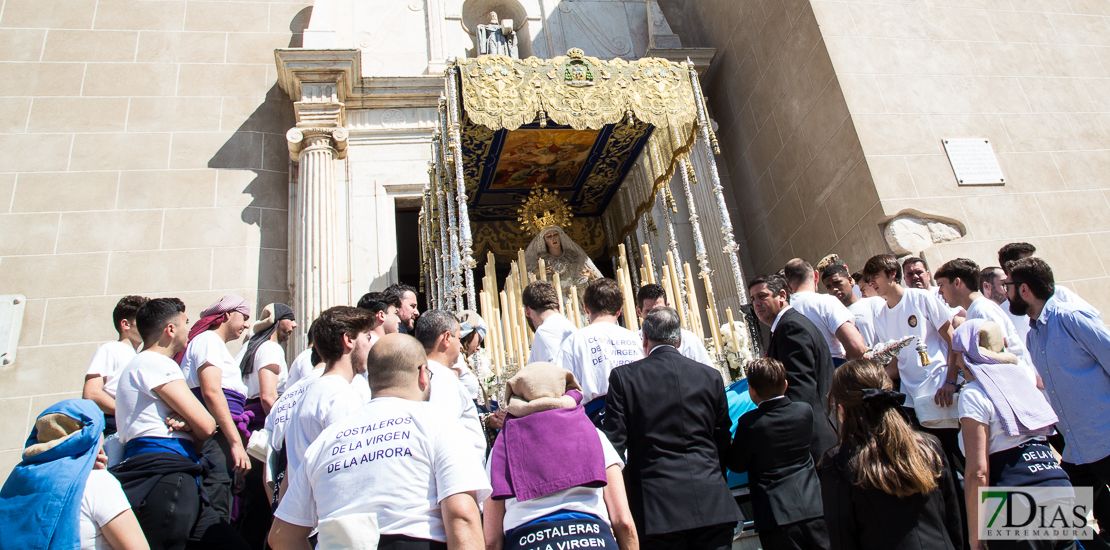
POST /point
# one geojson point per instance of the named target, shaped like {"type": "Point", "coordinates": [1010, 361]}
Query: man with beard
{"type": "Point", "coordinates": [990, 284]}
{"type": "Point", "coordinates": [404, 297]}
{"type": "Point", "coordinates": [1070, 346]}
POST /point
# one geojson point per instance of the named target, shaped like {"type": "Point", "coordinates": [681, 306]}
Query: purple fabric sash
{"type": "Point", "coordinates": [546, 452]}
{"type": "Point", "coordinates": [241, 414]}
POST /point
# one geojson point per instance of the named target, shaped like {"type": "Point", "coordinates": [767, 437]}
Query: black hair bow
{"type": "Point", "coordinates": [883, 398]}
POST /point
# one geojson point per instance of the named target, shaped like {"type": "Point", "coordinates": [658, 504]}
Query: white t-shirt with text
{"type": "Point", "coordinates": [576, 499]}
{"type": "Point", "coordinates": [327, 400]}
{"type": "Point", "coordinates": [102, 501]}
{"type": "Point", "coordinates": [268, 353]}
{"type": "Point", "coordinates": [108, 361]}
{"type": "Point", "coordinates": [139, 411]}
{"type": "Point", "coordinates": [208, 347]}
{"type": "Point", "coordinates": [278, 419]}
{"type": "Point", "coordinates": [918, 314]}
{"type": "Point", "coordinates": [827, 313]}
{"type": "Point", "coordinates": [550, 337]}
{"type": "Point", "coordinates": [593, 352]}
{"type": "Point", "coordinates": [393, 458]}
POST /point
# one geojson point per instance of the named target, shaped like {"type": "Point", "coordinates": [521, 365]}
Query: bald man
{"type": "Point", "coordinates": [394, 460]}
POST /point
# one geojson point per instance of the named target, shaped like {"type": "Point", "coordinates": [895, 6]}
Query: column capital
{"type": "Point", "coordinates": [299, 139]}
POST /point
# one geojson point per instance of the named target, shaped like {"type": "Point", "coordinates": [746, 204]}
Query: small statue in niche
{"type": "Point", "coordinates": [497, 37]}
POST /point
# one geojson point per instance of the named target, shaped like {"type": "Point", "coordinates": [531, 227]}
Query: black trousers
{"type": "Point", "coordinates": [710, 537]}
{"type": "Point", "coordinates": [255, 514]}
{"type": "Point", "coordinates": [218, 482]}
{"type": "Point", "coordinates": [402, 542]}
{"type": "Point", "coordinates": [174, 517]}
{"type": "Point", "coordinates": [810, 534]}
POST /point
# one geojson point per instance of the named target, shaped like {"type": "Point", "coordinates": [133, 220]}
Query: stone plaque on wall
{"type": "Point", "coordinates": [973, 161]}
{"type": "Point", "coordinates": [11, 321]}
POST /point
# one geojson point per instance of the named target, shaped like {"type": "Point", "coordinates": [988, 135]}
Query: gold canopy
{"type": "Point", "coordinates": [586, 93]}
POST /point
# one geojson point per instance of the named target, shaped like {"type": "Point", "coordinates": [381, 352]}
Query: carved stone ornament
{"type": "Point", "coordinates": [911, 232]}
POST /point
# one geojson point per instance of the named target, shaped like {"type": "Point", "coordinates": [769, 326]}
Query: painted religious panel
{"type": "Point", "coordinates": [542, 158]}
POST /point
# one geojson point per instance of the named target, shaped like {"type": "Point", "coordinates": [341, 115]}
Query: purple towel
{"type": "Point", "coordinates": [242, 414]}
{"type": "Point", "coordinates": [1022, 408]}
{"type": "Point", "coordinates": [546, 452]}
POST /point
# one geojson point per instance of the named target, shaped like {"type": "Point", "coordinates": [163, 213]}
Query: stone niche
{"type": "Point", "coordinates": [910, 232]}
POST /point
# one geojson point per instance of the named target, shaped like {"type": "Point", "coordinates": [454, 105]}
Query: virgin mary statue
{"type": "Point", "coordinates": [563, 256]}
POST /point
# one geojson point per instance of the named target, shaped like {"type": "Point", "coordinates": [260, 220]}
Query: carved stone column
{"type": "Point", "coordinates": [319, 252]}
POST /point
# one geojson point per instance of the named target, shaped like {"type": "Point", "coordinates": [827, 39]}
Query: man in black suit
{"type": "Point", "coordinates": [670, 414]}
{"type": "Point", "coordinates": [772, 445]}
{"type": "Point", "coordinates": [799, 346]}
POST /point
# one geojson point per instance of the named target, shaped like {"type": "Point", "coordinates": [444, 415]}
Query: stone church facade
{"type": "Point", "coordinates": [147, 145]}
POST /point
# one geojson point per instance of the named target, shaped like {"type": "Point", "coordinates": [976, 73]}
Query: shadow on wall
{"type": "Point", "coordinates": [259, 145]}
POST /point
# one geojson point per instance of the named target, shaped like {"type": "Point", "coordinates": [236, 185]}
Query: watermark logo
{"type": "Point", "coordinates": [1034, 513]}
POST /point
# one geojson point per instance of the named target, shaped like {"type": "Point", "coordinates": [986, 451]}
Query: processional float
{"type": "Point", "coordinates": [589, 147]}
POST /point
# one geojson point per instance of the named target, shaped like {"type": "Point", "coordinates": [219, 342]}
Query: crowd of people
{"type": "Point", "coordinates": [881, 408]}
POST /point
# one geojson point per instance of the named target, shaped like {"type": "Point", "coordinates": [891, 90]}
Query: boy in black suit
{"type": "Point", "coordinates": [772, 444]}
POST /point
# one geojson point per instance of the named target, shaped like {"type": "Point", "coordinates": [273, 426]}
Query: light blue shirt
{"type": "Point", "coordinates": [1070, 346]}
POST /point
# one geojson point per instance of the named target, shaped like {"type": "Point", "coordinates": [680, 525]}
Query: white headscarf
{"type": "Point", "coordinates": [569, 265]}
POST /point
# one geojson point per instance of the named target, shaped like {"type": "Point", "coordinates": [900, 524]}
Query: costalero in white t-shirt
{"type": "Point", "coordinates": [282, 411]}
{"type": "Point", "coordinates": [327, 400]}
{"type": "Point", "coordinates": [301, 365]}
{"type": "Point", "coordinates": [918, 314]}
{"type": "Point", "coordinates": [864, 311]}
{"type": "Point", "coordinates": [827, 313]}
{"type": "Point", "coordinates": [550, 337]}
{"type": "Point", "coordinates": [693, 348]}
{"type": "Point", "coordinates": [268, 353]}
{"type": "Point", "coordinates": [108, 361]}
{"type": "Point", "coordinates": [976, 405]}
{"type": "Point", "coordinates": [139, 411]}
{"type": "Point", "coordinates": [393, 458]}
{"type": "Point", "coordinates": [576, 499]}
{"type": "Point", "coordinates": [102, 501]}
{"type": "Point", "coordinates": [451, 396]}
{"type": "Point", "coordinates": [593, 352]}
{"type": "Point", "coordinates": [208, 347]}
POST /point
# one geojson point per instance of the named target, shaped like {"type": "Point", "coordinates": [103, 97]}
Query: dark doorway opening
{"type": "Point", "coordinates": [408, 252]}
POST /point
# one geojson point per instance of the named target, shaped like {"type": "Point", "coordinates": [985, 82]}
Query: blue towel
{"type": "Point", "coordinates": [41, 501]}
{"type": "Point", "coordinates": [739, 402]}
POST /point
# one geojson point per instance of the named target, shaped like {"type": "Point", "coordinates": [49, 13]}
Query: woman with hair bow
{"type": "Point", "coordinates": [1004, 419]}
{"type": "Point", "coordinates": [884, 485]}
